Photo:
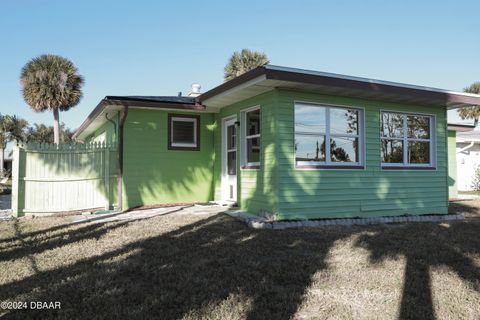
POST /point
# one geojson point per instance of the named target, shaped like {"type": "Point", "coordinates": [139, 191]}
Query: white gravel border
{"type": "Point", "coordinates": [256, 222]}
{"type": "Point", "coordinates": [6, 215]}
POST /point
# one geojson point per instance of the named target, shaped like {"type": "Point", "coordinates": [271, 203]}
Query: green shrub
{"type": "Point", "coordinates": [476, 179]}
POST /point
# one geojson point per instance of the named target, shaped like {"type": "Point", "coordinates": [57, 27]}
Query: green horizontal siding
{"type": "Point", "coordinates": [107, 132]}
{"type": "Point", "coordinates": [155, 175]}
{"type": "Point", "coordinates": [350, 193]}
{"type": "Point", "coordinates": [257, 190]}
{"type": "Point", "coordinates": [452, 164]}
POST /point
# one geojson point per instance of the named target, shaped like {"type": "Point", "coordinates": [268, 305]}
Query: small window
{"type": "Point", "coordinates": [183, 132]}
{"type": "Point", "coordinates": [328, 136]}
{"type": "Point", "coordinates": [407, 140]}
{"type": "Point", "coordinates": [251, 137]}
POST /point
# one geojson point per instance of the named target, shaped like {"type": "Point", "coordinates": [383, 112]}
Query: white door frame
{"type": "Point", "coordinates": [229, 182]}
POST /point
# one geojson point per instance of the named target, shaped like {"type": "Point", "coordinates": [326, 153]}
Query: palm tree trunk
{"type": "Point", "coordinates": [56, 126]}
{"type": "Point", "coordinates": [2, 160]}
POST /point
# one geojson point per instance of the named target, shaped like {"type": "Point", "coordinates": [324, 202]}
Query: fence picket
{"type": "Point", "coordinates": [69, 177]}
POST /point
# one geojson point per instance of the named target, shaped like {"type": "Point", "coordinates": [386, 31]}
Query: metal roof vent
{"type": "Point", "coordinates": [195, 92]}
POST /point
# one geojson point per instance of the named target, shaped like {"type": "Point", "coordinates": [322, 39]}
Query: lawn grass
{"type": "Point", "coordinates": [477, 193]}
{"type": "Point", "coordinates": [7, 187]}
{"type": "Point", "coordinates": [213, 267]}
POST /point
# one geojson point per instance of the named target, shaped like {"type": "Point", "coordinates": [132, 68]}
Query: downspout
{"type": "Point", "coordinates": [472, 143]}
{"type": "Point", "coordinates": [112, 122]}
{"type": "Point", "coordinates": [123, 117]}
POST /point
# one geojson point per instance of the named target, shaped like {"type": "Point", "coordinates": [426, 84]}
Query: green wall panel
{"type": "Point", "coordinates": [350, 193]}
{"type": "Point", "coordinates": [452, 164]}
{"type": "Point", "coordinates": [106, 132]}
{"type": "Point", "coordinates": [256, 188]}
{"type": "Point", "coordinates": [155, 175]}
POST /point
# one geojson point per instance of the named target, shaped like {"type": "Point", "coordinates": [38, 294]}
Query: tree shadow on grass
{"type": "Point", "coordinates": [470, 208]}
{"type": "Point", "coordinates": [190, 271]}
{"type": "Point", "coordinates": [426, 246]}
{"type": "Point", "coordinates": [35, 243]}
{"type": "Point", "coordinates": [59, 230]}
{"type": "Point", "coordinates": [184, 272]}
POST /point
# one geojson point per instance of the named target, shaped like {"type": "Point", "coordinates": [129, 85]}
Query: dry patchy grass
{"type": "Point", "coordinates": [213, 267]}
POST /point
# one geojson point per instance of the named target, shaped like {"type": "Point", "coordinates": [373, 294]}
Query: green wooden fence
{"type": "Point", "coordinates": [49, 179]}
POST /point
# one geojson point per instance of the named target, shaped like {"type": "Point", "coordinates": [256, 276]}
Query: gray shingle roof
{"type": "Point", "coordinates": [166, 99]}
{"type": "Point", "coordinates": [473, 135]}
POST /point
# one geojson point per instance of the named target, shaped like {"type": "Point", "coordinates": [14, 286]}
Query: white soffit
{"type": "Point", "coordinates": [99, 120]}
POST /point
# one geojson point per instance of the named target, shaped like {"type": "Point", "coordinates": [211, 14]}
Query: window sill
{"type": "Point", "coordinates": [408, 168]}
{"type": "Point", "coordinates": [251, 167]}
{"type": "Point", "coordinates": [334, 167]}
{"type": "Point", "coordinates": [173, 148]}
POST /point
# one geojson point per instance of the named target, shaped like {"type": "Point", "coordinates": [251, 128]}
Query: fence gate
{"type": "Point", "coordinates": [50, 178]}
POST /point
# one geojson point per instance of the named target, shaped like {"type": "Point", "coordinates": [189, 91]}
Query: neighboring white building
{"type": "Point", "coordinates": [8, 157]}
{"type": "Point", "coordinates": [468, 157]}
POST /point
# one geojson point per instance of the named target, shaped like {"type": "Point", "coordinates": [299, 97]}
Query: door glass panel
{"type": "Point", "coordinates": [231, 137]}
{"type": "Point", "coordinates": [232, 163]}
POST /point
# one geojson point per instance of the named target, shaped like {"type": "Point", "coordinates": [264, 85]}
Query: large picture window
{"type": "Point", "coordinates": [328, 136]}
{"type": "Point", "coordinates": [183, 132]}
{"type": "Point", "coordinates": [407, 140]}
{"type": "Point", "coordinates": [251, 137]}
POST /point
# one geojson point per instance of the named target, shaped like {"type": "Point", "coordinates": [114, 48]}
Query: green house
{"type": "Point", "coordinates": [284, 142]}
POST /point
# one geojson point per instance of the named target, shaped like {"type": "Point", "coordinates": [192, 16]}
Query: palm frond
{"type": "Point", "coordinates": [472, 112]}
{"type": "Point", "coordinates": [45, 134]}
{"type": "Point", "coordinates": [51, 82]}
{"type": "Point", "coordinates": [244, 61]}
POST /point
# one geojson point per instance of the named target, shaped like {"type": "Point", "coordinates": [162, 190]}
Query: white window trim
{"type": "Point", "coordinates": [405, 139]}
{"type": "Point", "coordinates": [244, 137]}
{"type": "Point", "coordinates": [360, 135]}
{"type": "Point", "coordinates": [195, 138]}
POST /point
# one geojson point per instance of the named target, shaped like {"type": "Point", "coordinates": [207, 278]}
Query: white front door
{"type": "Point", "coordinates": [229, 159]}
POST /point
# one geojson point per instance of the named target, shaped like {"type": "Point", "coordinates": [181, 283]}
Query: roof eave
{"type": "Point", "coordinates": [250, 75]}
{"type": "Point", "coordinates": [460, 127]}
{"type": "Point", "coordinates": [388, 91]}
{"type": "Point", "coordinates": [95, 112]}
{"type": "Point", "coordinates": [439, 98]}
{"type": "Point", "coordinates": [118, 101]}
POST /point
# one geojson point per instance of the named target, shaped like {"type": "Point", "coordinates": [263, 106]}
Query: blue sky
{"type": "Point", "coordinates": [160, 47]}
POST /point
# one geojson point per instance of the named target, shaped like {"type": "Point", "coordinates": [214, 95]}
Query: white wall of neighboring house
{"type": "Point", "coordinates": [467, 162]}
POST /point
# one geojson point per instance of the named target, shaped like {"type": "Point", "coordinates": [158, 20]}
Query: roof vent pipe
{"type": "Point", "coordinates": [472, 143]}
{"type": "Point", "coordinates": [195, 92]}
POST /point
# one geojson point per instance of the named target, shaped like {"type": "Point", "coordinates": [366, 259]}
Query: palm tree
{"type": "Point", "coordinates": [51, 82]}
{"type": "Point", "coordinates": [41, 133]}
{"type": "Point", "coordinates": [12, 128]}
{"type": "Point", "coordinates": [472, 112]}
{"type": "Point", "coordinates": [16, 128]}
{"type": "Point", "coordinates": [241, 62]}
